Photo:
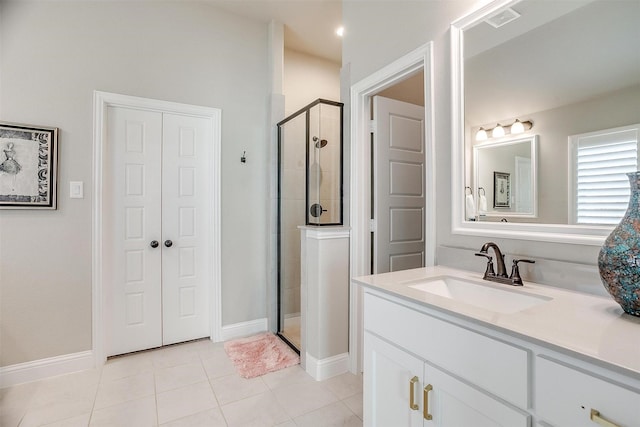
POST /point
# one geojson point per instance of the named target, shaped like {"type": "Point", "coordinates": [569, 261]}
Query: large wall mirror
{"type": "Point", "coordinates": [548, 72]}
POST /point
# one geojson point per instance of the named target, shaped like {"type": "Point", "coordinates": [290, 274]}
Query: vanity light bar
{"type": "Point", "coordinates": [500, 130]}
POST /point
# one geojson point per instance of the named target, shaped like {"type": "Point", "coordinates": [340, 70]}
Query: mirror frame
{"type": "Point", "coordinates": [557, 233]}
{"type": "Point", "coordinates": [533, 141]}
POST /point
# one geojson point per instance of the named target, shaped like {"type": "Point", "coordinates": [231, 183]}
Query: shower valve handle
{"type": "Point", "coordinates": [316, 210]}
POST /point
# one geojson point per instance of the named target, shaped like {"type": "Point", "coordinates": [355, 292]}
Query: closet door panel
{"type": "Point", "coordinates": [133, 196]}
{"type": "Point", "coordinates": [186, 217]}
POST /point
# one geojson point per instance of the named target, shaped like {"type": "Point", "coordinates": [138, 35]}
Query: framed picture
{"type": "Point", "coordinates": [28, 161]}
{"type": "Point", "coordinates": [501, 190]}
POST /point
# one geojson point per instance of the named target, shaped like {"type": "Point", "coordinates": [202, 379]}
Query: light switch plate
{"type": "Point", "coordinates": [76, 189]}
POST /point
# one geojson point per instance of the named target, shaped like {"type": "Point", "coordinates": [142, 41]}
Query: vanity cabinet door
{"type": "Point", "coordinates": [453, 403]}
{"type": "Point", "coordinates": [566, 397]}
{"type": "Point", "coordinates": [402, 390]}
{"type": "Point", "coordinates": [391, 376]}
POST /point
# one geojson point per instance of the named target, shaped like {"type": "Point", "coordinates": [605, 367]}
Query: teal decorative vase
{"type": "Point", "coordinates": [619, 258]}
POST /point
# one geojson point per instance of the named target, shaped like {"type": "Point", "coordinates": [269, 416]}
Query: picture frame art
{"type": "Point", "coordinates": [28, 166]}
{"type": "Point", "coordinates": [501, 190]}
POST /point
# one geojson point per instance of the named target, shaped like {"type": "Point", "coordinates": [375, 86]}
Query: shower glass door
{"type": "Point", "coordinates": [309, 193]}
{"type": "Point", "coordinates": [292, 136]}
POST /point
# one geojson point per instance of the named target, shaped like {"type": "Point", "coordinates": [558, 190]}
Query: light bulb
{"type": "Point", "coordinates": [340, 31]}
{"type": "Point", "coordinates": [517, 127]}
{"type": "Point", "coordinates": [481, 135]}
{"type": "Point", "coordinates": [498, 131]}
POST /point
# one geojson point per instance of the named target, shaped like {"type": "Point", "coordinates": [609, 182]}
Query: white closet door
{"type": "Point", "coordinates": [186, 211]}
{"type": "Point", "coordinates": [132, 193]}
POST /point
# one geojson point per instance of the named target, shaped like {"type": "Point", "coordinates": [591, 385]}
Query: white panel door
{"type": "Point", "coordinates": [133, 195]}
{"type": "Point", "coordinates": [158, 219]}
{"type": "Point", "coordinates": [186, 215]}
{"type": "Point", "coordinates": [398, 196]}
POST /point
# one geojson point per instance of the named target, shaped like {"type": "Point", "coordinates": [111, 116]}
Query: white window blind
{"type": "Point", "coordinates": [601, 161]}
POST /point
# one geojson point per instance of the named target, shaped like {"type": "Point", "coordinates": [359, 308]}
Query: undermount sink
{"type": "Point", "coordinates": [505, 301]}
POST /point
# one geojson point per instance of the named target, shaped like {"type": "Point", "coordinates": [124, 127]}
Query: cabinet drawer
{"type": "Point", "coordinates": [490, 364]}
{"type": "Point", "coordinates": [566, 396]}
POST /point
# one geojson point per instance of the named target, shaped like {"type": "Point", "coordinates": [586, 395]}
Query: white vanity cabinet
{"type": "Point", "coordinates": [403, 390]}
{"type": "Point", "coordinates": [425, 367]}
{"type": "Point", "coordinates": [567, 396]}
{"type": "Point", "coordinates": [420, 370]}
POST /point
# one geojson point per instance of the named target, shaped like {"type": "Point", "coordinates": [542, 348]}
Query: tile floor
{"type": "Point", "coordinates": [192, 384]}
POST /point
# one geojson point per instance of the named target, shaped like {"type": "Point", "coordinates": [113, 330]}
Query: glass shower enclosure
{"type": "Point", "coordinates": [309, 193]}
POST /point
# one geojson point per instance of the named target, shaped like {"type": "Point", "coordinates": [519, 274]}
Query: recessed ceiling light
{"type": "Point", "coordinates": [340, 31]}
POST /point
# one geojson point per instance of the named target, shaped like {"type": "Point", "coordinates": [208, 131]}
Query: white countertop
{"type": "Point", "coordinates": [588, 325]}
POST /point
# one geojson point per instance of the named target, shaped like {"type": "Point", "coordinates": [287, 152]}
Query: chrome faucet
{"type": "Point", "coordinates": [501, 275]}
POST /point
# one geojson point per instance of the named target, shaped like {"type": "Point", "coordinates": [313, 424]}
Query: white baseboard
{"type": "Point", "coordinates": [243, 329]}
{"type": "Point", "coordinates": [45, 368]}
{"type": "Point", "coordinates": [74, 362]}
{"type": "Point", "coordinates": [326, 368]}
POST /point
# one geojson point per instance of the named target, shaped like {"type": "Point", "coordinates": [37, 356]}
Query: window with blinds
{"type": "Point", "coordinates": [600, 187]}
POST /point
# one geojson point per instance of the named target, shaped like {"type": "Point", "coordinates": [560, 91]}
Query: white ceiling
{"type": "Point", "coordinates": [310, 25]}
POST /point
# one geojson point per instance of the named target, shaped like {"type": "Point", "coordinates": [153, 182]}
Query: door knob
{"type": "Point", "coordinates": [154, 244]}
{"type": "Point", "coordinates": [168, 243]}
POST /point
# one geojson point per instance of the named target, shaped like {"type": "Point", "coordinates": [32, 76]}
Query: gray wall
{"type": "Point", "coordinates": [55, 54]}
{"type": "Point", "coordinates": [408, 25]}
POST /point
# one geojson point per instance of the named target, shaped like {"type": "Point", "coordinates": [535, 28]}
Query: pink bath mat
{"type": "Point", "coordinates": [260, 354]}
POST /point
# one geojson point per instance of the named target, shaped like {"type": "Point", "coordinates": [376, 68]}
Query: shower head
{"type": "Point", "coordinates": [320, 143]}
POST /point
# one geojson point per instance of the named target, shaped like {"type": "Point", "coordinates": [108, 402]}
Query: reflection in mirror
{"type": "Point", "coordinates": [505, 178]}
{"type": "Point", "coordinates": [599, 163]}
{"type": "Point", "coordinates": [562, 69]}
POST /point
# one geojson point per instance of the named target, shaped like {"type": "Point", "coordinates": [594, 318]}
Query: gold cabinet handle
{"type": "Point", "coordinates": [427, 416]}
{"type": "Point", "coordinates": [412, 386]}
{"type": "Point", "coordinates": [596, 418]}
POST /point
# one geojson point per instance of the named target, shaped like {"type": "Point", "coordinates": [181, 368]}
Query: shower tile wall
{"type": "Point", "coordinates": [331, 188]}
{"type": "Point", "coordinates": [325, 124]}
